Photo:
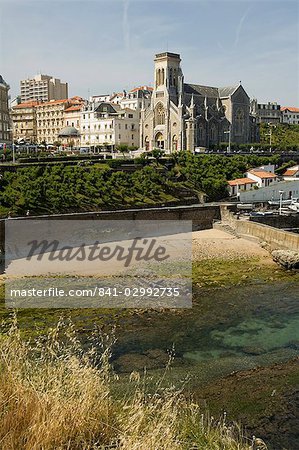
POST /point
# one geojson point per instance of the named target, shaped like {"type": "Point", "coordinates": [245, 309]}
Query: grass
{"type": "Point", "coordinates": [55, 395]}
{"type": "Point", "coordinates": [225, 273]}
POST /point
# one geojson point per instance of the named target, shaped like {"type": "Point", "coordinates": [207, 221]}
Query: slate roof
{"type": "Point", "coordinates": [204, 91]}
{"type": "Point", "coordinates": [227, 91]}
{"type": "Point", "coordinates": [210, 91]}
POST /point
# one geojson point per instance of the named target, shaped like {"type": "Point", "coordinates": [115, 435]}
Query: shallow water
{"type": "Point", "coordinates": [226, 330]}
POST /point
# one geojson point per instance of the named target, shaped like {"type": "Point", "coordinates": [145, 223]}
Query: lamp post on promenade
{"type": "Point", "coordinates": [280, 202]}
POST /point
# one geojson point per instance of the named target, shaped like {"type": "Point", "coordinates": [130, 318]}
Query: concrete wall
{"type": "Point", "coordinates": [278, 221]}
{"type": "Point", "coordinates": [202, 216]}
{"type": "Point", "coordinates": [275, 238]}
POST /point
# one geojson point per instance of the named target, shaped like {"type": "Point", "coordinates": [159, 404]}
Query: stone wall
{"type": "Point", "coordinates": [278, 221]}
{"type": "Point", "coordinates": [202, 216]}
{"type": "Point", "coordinates": [275, 238]}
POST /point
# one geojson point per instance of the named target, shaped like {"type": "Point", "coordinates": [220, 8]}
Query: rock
{"type": "Point", "coordinates": [294, 344]}
{"type": "Point", "coordinates": [250, 350]}
{"type": "Point", "coordinates": [151, 359]}
{"type": "Point", "coordinates": [289, 259]}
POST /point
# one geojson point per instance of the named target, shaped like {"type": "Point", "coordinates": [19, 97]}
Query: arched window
{"type": "Point", "coordinates": [239, 125]}
{"type": "Point", "coordinates": [213, 136]}
{"type": "Point", "coordinates": [170, 78]}
{"type": "Point", "coordinates": [201, 133]}
{"type": "Point", "coordinates": [158, 78]}
{"type": "Point", "coordinates": [162, 76]}
{"type": "Point", "coordinates": [174, 143]}
{"type": "Point", "coordinates": [174, 77]}
{"type": "Point", "coordinates": [147, 143]}
{"type": "Point", "coordinates": [159, 115]}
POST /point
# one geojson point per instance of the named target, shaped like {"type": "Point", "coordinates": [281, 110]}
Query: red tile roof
{"type": "Point", "coordinates": [74, 108]}
{"type": "Point", "coordinates": [142, 88]}
{"type": "Point", "coordinates": [290, 172]}
{"type": "Point", "coordinates": [54, 102]}
{"type": "Point", "coordinates": [240, 181]}
{"type": "Point", "coordinates": [26, 105]}
{"type": "Point", "coordinates": [262, 174]}
{"type": "Point", "coordinates": [289, 108]}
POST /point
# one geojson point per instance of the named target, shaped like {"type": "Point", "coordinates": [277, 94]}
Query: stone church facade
{"type": "Point", "coordinates": [185, 116]}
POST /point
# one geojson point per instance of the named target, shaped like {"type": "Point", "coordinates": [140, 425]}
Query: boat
{"type": "Point", "coordinates": [294, 206]}
{"type": "Point", "coordinates": [277, 202]}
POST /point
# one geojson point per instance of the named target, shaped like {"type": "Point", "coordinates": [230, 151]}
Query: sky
{"type": "Point", "coordinates": [103, 46]}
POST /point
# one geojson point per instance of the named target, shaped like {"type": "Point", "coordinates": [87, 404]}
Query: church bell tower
{"type": "Point", "coordinates": [168, 76]}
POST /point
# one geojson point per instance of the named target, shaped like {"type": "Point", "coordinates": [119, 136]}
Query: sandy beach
{"type": "Point", "coordinates": [206, 245]}
{"type": "Point", "coordinates": [209, 244]}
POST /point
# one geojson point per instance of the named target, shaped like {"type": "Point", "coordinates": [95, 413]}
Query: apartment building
{"type": "Point", "coordinates": [5, 136]}
{"type": "Point", "coordinates": [51, 118]}
{"type": "Point", "coordinates": [109, 125]}
{"type": "Point", "coordinates": [43, 88]}
{"type": "Point", "coordinates": [24, 122]}
{"type": "Point", "coordinates": [266, 112]}
{"type": "Point", "coordinates": [137, 98]}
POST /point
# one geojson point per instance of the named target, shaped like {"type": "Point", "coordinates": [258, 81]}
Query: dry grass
{"type": "Point", "coordinates": [54, 395]}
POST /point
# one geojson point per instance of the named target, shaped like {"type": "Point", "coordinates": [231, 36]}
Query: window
{"type": "Point", "coordinates": [159, 115]}
{"type": "Point", "coordinates": [239, 126]}
{"type": "Point", "coordinates": [130, 116]}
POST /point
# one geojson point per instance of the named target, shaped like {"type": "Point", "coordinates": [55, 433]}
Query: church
{"type": "Point", "coordinates": [187, 116]}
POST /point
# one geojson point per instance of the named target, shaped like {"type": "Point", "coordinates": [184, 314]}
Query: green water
{"type": "Point", "coordinates": [226, 330]}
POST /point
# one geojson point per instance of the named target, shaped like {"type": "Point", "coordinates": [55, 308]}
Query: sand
{"type": "Point", "coordinates": [209, 244]}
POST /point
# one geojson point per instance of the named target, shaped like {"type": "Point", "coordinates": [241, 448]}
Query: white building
{"type": "Point", "coordinates": [292, 173]}
{"type": "Point", "coordinates": [290, 190]}
{"type": "Point", "coordinates": [290, 115]}
{"type": "Point", "coordinates": [262, 177]}
{"type": "Point", "coordinates": [240, 184]}
{"type": "Point", "coordinates": [108, 125]}
{"type": "Point", "coordinates": [258, 177]}
{"type": "Point", "coordinates": [137, 98]}
{"type": "Point", "coordinates": [117, 97]}
{"type": "Point", "coordinates": [100, 98]}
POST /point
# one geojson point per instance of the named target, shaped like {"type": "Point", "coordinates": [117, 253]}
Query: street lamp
{"type": "Point", "coordinates": [229, 138]}
{"type": "Point", "coordinates": [270, 135]}
{"type": "Point", "coordinates": [280, 202]}
{"type": "Point", "coordinates": [13, 145]}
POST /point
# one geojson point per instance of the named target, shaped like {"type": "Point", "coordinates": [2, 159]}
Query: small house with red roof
{"type": "Point", "coordinates": [291, 174]}
{"type": "Point", "coordinates": [290, 115]}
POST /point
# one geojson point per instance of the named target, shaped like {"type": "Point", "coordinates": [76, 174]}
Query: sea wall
{"type": "Point", "coordinates": [278, 221]}
{"type": "Point", "coordinates": [202, 216]}
{"type": "Point", "coordinates": [274, 237]}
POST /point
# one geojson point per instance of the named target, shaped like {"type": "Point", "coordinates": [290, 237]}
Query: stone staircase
{"type": "Point", "coordinates": [222, 226]}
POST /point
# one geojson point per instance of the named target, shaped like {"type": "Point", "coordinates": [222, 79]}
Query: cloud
{"type": "Point", "coordinates": [240, 26]}
{"type": "Point", "coordinates": [126, 25]}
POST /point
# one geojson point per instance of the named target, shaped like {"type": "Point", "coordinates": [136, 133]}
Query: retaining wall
{"type": "Point", "coordinates": [275, 238]}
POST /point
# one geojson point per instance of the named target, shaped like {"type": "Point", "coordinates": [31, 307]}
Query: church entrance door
{"type": "Point", "coordinates": [159, 141]}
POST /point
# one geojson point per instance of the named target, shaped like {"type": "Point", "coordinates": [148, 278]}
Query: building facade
{"type": "Point", "coordinates": [137, 98]}
{"type": "Point", "coordinates": [185, 116]}
{"type": "Point", "coordinates": [290, 115]}
{"type": "Point", "coordinates": [108, 125]}
{"type": "Point", "coordinates": [51, 118]}
{"type": "Point", "coordinates": [43, 88]}
{"type": "Point", "coordinates": [5, 136]}
{"type": "Point", "coordinates": [266, 112]}
{"type": "Point", "coordinates": [24, 122]}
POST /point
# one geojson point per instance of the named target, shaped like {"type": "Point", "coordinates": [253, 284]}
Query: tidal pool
{"type": "Point", "coordinates": [226, 330]}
